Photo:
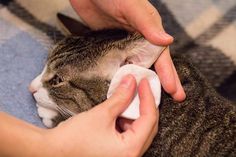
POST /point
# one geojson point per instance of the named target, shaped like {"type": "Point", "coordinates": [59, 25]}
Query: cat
{"type": "Point", "coordinates": [77, 76]}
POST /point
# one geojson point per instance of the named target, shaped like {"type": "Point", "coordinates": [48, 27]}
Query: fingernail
{"type": "Point", "coordinates": [127, 81]}
{"type": "Point", "coordinates": [165, 35]}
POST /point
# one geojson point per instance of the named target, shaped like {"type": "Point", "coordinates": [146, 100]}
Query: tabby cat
{"type": "Point", "coordinates": [77, 76]}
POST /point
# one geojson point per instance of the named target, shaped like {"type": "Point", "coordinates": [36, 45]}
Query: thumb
{"type": "Point", "coordinates": [144, 17]}
{"type": "Point", "coordinates": [122, 97]}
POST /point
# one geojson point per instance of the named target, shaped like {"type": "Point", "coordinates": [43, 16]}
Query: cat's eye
{"type": "Point", "coordinates": [56, 80]}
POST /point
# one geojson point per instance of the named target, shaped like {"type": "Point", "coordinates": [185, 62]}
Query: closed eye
{"type": "Point", "coordinates": [56, 80]}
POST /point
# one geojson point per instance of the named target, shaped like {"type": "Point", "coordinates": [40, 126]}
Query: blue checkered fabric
{"type": "Point", "coordinates": [204, 31]}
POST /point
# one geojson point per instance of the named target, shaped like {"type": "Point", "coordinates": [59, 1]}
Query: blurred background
{"type": "Point", "coordinates": [204, 31]}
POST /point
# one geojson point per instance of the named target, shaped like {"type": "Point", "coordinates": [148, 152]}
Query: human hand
{"type": "Point", "coordinates": [93, 133]}
{"type": "Point", "coordinates": [97, 133]}
{"type": "Point", "coordinates": [137, 15]}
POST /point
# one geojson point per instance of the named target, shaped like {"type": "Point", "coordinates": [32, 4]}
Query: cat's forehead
{"type": "Point", "coordinates": [90, 42]}
{"type": "Point", "coordinates": [78, 52]}
{"type": "Point", "coordinates": [84, 51]}
{"type": "Point", "coordinates": [99, 53]}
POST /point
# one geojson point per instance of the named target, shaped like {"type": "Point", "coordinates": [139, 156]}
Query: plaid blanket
{"type": "Point", "coordinates": [204, 31]}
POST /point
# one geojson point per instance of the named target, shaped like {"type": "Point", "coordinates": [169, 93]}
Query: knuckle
{"type": "Point", "coordinates": [153, 119]}
{"type": "Point", "coordinates": [154, 12]}
{"type": "Point", "coordinates": [121, 96]}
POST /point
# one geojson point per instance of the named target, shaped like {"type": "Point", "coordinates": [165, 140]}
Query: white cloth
{"type": "Point", "coordinates": [132, 112]}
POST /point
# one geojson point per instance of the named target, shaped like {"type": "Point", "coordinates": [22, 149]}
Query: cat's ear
{"type": "Point", "coordinates": [72, 26]}
{"type": "Point", "coordinates": [143, 53]}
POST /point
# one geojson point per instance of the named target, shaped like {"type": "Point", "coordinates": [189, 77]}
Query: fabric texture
{"type": "Point", "coordinates": [204, 31]}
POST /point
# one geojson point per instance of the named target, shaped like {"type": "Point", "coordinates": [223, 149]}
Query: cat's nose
{"type": "Point", "coordinates": [35, 85]}
{"type": "Point", "coordinates": [32, 89]}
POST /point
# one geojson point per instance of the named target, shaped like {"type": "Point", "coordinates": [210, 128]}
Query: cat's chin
{"type": "Point", "coordinates": [47, 116]}
{"type": "Point", "coordinates": [47, 109]}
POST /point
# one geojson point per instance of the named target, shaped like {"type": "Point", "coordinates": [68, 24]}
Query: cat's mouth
{"type": "Point", "coordinates": [47, 109]}
{"type": "Point", "coordinates": [42, 99]}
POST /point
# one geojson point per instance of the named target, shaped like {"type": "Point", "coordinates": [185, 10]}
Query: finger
{"type": "Point", "coordinates": [92, 16]}
{"type": "Point", "coordinates": [152, 136]}
{"type": "Point", "coordinates": [142, 127]}
{"type": "Point", "coordinates": [179, 95]}
{"type": "Point", "coordinates": [145, 18]}
{"type": "Point", "coordinates": [125, 124]}
{"type": "Point", "coordinates": [165, 71]}
{"type": "Point", "coordinates": [147, 101]}
{"type": "Point", "coordinates": [121, 98]}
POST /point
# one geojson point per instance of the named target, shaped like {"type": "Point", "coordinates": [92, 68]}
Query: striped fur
{"type": "Point", "coordinates": [203, 125]}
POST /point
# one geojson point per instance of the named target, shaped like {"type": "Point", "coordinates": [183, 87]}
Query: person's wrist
{"type": "Point", "coordinates": [29, 138]}
{"type": "Point", "coordinates": [43, 146]}
{"type": "Point", "coordinates": [50, 144]}
{"type": "Point", "coordinates": [56, 143]}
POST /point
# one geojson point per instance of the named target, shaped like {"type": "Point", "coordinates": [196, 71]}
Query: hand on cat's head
{"type": "Point", "coordinates": [99, 129]}
{"type": "Point", "coordinates": [138, 16]}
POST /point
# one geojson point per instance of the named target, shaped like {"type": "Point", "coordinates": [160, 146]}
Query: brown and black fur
{"type": "Point", "coordinates": [203, 125]}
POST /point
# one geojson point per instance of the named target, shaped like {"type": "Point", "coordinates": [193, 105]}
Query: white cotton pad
{"type": "Point", "coordinates": [132, 112]}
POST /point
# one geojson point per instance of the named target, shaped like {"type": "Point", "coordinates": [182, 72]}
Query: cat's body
{"type": "Point", "coordinates": [77, 77]}
{"type": "Point", "coordinates": [203, 125]}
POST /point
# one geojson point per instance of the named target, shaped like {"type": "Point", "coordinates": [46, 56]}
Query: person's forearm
{"type": "Point", "coordinates": [18, 138]}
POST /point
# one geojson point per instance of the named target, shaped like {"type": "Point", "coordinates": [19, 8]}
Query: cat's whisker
{"type": "Point", "coordinates": [68, 111]}
{"type": "Point", "coordinates": [63, 112]}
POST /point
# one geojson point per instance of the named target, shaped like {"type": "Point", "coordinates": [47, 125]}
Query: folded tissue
{"type": "Point", "coordinates": [132, 112]}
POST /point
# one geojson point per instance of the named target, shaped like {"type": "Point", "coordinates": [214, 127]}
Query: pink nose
{"type": "Point", "coordinates": [35, 85]}
{"type": "Point", "coordinates": [32, 89]}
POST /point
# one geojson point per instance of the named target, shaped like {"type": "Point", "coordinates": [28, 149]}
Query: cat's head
{"type": "Point", "coordinates": [79, 69]}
